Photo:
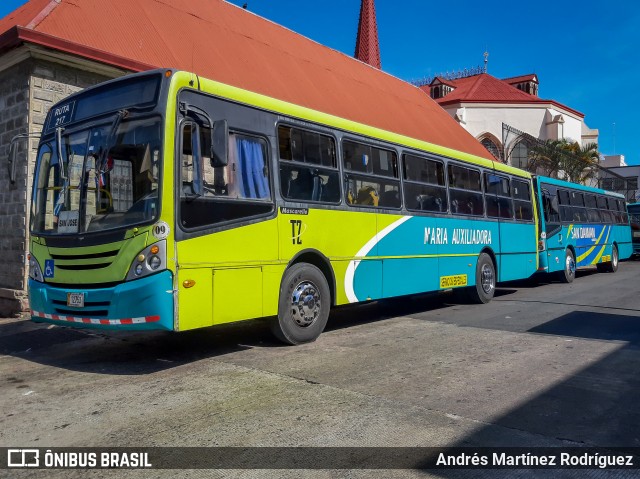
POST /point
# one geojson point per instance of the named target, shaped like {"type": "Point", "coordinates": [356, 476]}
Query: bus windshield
{"type": "Point", "coordinates": [107, 178]}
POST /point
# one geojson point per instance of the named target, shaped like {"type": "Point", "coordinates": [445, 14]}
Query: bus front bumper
{"type": "Point", "coordinates": [142, 304]}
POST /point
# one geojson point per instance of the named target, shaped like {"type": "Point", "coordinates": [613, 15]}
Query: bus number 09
{"type": "Point", "coordinates": [160, 231]}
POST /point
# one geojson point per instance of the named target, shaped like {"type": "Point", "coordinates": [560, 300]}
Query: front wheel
{"type": "Point", "coordinates": [303, 307]}
{"type": "Point", "coordinates": [568, 274]}
{"type": "Point", "coordinates": [612, 266]}
{"type": "Point", "coordinates": [485, 286]}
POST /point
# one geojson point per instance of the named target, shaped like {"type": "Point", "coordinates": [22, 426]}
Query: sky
{"type": "Point", "coordinates": [586, 53]}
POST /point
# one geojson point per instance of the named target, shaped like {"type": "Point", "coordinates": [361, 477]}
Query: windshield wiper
{"type": "Point", "coordinates": [102, 161]}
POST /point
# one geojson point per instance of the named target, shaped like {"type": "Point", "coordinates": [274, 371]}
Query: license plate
{"type": "Point", "coordinates": [636, 234]}
{"type": "Point", "coordinates": [455, 281]}
{"type": "Point", "coordinates": [75, 300]}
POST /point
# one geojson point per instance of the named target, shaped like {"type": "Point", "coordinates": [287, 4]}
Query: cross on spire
{"type": "Point", "coordinates": [367, 47]}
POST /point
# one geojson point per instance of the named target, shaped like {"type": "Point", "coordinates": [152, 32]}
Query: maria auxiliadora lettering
{"type": "Point", "coordinates": [458, 236]}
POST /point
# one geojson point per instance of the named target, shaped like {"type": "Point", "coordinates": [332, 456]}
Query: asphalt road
{"type": "Point", "coordinates": [544, 364]}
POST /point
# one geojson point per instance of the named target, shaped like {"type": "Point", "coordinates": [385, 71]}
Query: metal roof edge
{"type": "Point", "coordinates": [17, 35]}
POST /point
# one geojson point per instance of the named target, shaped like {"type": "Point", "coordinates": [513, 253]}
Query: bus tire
{"type": "Point", "coordinates": [568, 273]}
{"type": "Point", "coordinates": [612, 266]}
{"type": "Point", "coordinates": [303, 305]}
{"type": "Point", "coordinates": [485, 286]}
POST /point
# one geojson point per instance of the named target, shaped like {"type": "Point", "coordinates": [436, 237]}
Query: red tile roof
{"type": "Point", "coordinates": [521, 78]}
{"type": "Point", "coordinates": [485, 88]}
{"type": "Point", "coordinates": [220, 41]}
{"type": "Point", "coordinates": [443, 81]}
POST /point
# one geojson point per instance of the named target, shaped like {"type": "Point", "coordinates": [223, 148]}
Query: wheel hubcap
{"type": "Point", "coordinates": [571, 266]}
{"type": "Point", "coordinates": [305, 304]}
{"type": "Point", "coordinates": [615, 257]}
{"type": "Point", "coordinates": [487, 278]}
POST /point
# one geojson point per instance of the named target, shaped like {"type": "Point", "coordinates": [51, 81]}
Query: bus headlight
{"type": "Point", "coordinates": [154, 262]}
{"type": "Point", "coordinates": [150, 260]}
{"type": "Point", "coordinates": [35, 272]}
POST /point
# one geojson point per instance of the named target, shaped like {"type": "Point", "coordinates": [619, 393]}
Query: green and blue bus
{"type": "Point", "coordinates": [166, 201]}
{"type": "Point", "coordinates": [580, 227]}
{"type": "Point", "coordinates": [634, 220]}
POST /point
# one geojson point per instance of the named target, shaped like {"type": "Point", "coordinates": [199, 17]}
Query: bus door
{"type": "Point", "coordinates": [556, 211]}
{"type": "Point", "coordinates": [230, 247]}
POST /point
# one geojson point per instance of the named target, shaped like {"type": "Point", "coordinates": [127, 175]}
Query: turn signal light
{"type": "Point", "coordinates": [155, 249]}
{"type": "Point", "coordinates": [188, 283]}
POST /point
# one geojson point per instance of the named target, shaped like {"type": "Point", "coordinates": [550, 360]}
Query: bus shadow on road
{"type": "Point", "coordinates": [542, 279]}
{"type": "Point", "coordinates": [350, 315]}
{"type": "Point", "coordinates": [127, 353]}
{"type": "Point", "coordinates": [594, 325]}
{"type": "Point", "coordinates": [595, 406]}
{"type": "Point", "coordinates": [137, 353]}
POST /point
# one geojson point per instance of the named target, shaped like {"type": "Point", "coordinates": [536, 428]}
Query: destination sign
{"type": "Point", "coordinates": [61, 115]}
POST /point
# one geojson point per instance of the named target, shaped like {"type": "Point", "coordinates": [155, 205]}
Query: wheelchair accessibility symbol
{"type": "Point", "coordinates": [48, 268]}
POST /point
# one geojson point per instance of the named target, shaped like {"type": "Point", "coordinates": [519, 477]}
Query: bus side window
{"type": "Point", "coordinates": [566, 212]}
{"type": "Point", "coordinates": [371, 177]}
{"type": "Point", "coordinates": [522, 201]}
{"type": "Point", "coordinates": [308, 166]}
{"type": "Point", "coordinates": [551, 208]}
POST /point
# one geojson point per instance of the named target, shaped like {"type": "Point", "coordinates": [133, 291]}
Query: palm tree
{"type": "Point", "coordinates": [583, 162]}
{"type": "Point", "coordinates": [566, 159]}
{"type": "Point", "coordinates": [546, 157]}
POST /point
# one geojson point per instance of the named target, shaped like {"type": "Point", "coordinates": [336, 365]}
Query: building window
{"type": "Point", "coordinates": [492, 148]}
{"type": "Point", "coordinates": [520, 155]}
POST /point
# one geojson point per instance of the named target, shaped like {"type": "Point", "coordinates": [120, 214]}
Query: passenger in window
{"type": "Point", "coordinates": [301, 188]}
{"type": "Point", "coordinates": [390, 198]}
{"type": "Point", "coordinates": [331, 189]}
{"type": "Point", "coordinates": [368, 196]}
{"type": "Point", "coordinates": [471, 206]}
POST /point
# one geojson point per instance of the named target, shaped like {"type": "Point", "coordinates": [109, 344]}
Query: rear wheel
{"type": "Point", "coordinates": [303, 307]}
{"type": "Point", "coordinates": [485, 286]}
{"type": "Point", "coordinates": [568, 274]}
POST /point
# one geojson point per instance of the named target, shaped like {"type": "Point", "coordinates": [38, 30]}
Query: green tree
{"type": "Point", "coordinates": [582, 161]}
{"type": "Point", "coordinates": [564, 159]}
{"type": "Point", "coordinates": [546, 157]}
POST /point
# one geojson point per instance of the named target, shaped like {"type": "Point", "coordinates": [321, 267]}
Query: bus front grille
{"type": "Point", "coordinates": [81, 267]}
{"type": "Point", "coordinates": [104, 254]}
{"type": "Point", "coordinates": [100, 260]}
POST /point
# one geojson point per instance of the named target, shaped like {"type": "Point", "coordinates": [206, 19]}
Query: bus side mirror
{"type": "Point", "coordinates": [220, 143]}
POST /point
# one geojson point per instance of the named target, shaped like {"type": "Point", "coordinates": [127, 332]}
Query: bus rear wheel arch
{"type": "Point", "coordinates": [303, 305]}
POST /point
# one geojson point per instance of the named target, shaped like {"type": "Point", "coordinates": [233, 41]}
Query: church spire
{"type": "Point", "coordinates": [367, 48]}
